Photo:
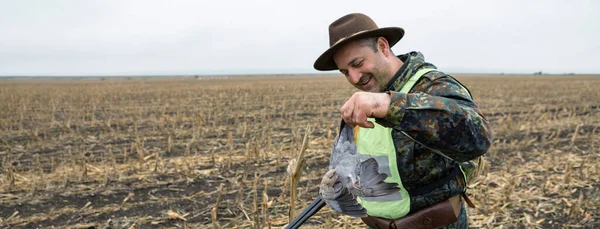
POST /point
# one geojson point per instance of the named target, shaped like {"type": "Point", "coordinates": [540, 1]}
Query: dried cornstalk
{"type": "Point", "coordinates": [189, 145]}
{"type": "Point", "coordinates": [575, 133]}
{"type": "Point", "coordinates": [199, 123]}
{"type": "Point", "coordinates": [269, 143]}
{"type": "Point", "coordinates": [83, 165]}
{"type": "Point", "coordinates": [213, 159]}
{"type": "Point", "coordinates": [10, 174]}
{"type": "Point", "coordinates": [220, 193]}
{"type": "Point", "coordinates": [157, 161]}
{"type": "Point", "coordinates": [255, 193]}
{"type": "Point", "coordinates": [593, 137]}
{"type": "Point", "coordinates": [215, 223]}
{"type": "Point", "coordinates": [244, 131]}
{"type": "Point", "coordinates": [567, 177]}
{"type": "Point", "coordinates": [124, 155]}
{"type": "Point", "coordinates": [239, 196]}
{"type": "Point", "coordinates": [169, 144]}
{"type": "Point", "coordinates": [295, 171]}
{"type": "Point", "coordinates": [38, 164]}
{"type": "Point", "coordinates": [574, 211]}
{"type": "Point", "coordinates": [284, 188]}
{"type": "Point", "coordinates": [138, 146]}
{"type": "Point", "coordinates": [229, 162]}
{"type": "Point", "coordinates": [265, 205]}
{"type": "Point", "coordinates": [230, 140]}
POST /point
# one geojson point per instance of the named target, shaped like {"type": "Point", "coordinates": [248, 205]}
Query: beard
{"type": "Point", "coordinates": [365, 78]}
{"type": "Point", "coordinates": [378, 75]}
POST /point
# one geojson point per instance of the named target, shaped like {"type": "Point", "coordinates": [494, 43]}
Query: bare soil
{"type": "Point", "coordinates": [210, 153]}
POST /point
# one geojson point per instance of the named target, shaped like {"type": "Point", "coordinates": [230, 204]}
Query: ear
{"type": "Point", "coordinates": [383, 46]}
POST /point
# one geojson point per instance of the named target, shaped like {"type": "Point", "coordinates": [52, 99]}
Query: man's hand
{"type": "Point", "coordinates": [338, 197]}
{"type": "Point", "coordinates": [363, 105]}
{"type": "Point", "coordinates": [326, 189]}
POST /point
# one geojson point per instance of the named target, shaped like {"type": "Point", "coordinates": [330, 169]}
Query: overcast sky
{"type": "Point", "coordinates": [127, 37]}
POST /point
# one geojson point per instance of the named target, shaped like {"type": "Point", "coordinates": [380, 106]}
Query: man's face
{"type": "Point", "coordinates": [364, 68]}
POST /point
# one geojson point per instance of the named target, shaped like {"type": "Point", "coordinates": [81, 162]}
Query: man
{"type": "Point", "coordinates": [425, 116]}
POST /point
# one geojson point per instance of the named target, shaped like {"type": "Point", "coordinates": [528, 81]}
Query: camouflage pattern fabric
{"type": "Point", "coordinates": [439, 113]}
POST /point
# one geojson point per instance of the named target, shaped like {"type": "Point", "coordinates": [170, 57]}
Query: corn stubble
{"type": "Point", "coordinates": [249, 152]}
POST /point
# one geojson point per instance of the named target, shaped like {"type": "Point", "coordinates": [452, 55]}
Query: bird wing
{"type": "Point", "coordinates": [345, 202]}
{"type": "Point", "coordinates": [372, 183]}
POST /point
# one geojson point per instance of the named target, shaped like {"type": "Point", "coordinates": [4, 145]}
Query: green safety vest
{"type": "Point", "coordinates": [377, 143]}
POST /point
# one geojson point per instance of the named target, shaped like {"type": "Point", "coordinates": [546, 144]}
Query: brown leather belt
{"type": "Point", "coordinates": [434, 216]}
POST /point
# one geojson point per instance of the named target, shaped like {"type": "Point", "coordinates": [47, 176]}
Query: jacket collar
{"type": "Point", "coordinates": [413, 61]}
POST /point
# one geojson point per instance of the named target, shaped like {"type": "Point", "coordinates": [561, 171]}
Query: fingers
{"type": "Point", "coordinates": [347, 111]}
{"type": "Point", "coordinates": [363, 105]}
{"type": "Point", "coordinates": [326, 189]}
{"type": "Point", "coordinates": [350, 111]}
{"type": "Point", "coordinates": [329, 178]}
{"type": "Point", "coordinates": [356, 111]}
{"type": "Point", "coordinates": [359, 118]}
{"type": "Point", "coordinates": [327, 193]}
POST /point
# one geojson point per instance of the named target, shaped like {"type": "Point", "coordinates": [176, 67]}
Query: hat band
{"type": "Point", "coordinates": [346, 37]}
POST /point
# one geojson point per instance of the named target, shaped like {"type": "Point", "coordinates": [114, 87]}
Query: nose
{"type": "Point", "coordinates": [354, 75]}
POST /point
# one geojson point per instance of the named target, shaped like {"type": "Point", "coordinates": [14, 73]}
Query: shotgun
{"type": "Point", "coordinates": [309, 211]}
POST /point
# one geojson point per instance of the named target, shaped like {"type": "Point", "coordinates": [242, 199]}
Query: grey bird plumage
{"type": "Point", "coordinates": [354, 178]}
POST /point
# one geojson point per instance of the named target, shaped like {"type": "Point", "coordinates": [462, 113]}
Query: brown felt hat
{"type": "Point", "coordinates": [352, 27]}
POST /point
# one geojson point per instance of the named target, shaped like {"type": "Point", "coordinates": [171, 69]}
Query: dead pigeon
{"type": "Point", "coordinates": [349, 177]}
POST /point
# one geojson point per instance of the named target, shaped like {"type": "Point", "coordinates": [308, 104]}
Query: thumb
{"type": "Point", "coordinates": [369, 124]}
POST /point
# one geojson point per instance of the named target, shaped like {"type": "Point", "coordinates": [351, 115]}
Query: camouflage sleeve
{"type": "Point", "coordinates": [441, 115]}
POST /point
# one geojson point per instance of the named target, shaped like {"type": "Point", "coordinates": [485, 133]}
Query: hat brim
{"type": "Point", "coordinates": [325, 61]}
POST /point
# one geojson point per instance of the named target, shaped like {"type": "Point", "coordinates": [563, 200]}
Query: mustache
{"type": "Point", "coordinates": [365, 78]}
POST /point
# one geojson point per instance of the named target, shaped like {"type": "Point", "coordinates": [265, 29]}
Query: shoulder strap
{"type": "Point", "coordinates": [427, 147]}
{"type": "Point", "coordinates": [414, 78]}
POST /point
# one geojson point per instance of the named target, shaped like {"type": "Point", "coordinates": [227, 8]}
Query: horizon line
{"type": "Point", "coordinates": [265, 74]}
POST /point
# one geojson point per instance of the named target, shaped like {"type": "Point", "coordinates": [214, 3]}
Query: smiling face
{"type": "Point", "coordinates": [366, 63]}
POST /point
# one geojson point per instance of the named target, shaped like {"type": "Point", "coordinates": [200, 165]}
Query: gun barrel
{"type": "Point", "coordinates": [309, 211]}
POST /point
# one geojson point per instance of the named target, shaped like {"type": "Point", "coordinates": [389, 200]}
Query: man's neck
{"type": "Point", "coordinates": [395, 67]}
{"type": "Point", "coordinates": [396, 64]}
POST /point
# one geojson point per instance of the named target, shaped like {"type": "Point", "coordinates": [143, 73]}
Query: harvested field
{"type": "Point", "coordinates": [211, 153]}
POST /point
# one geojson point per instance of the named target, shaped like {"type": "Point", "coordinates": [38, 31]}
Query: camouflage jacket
{"type": "Point", "coordinates": [439, 113]}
